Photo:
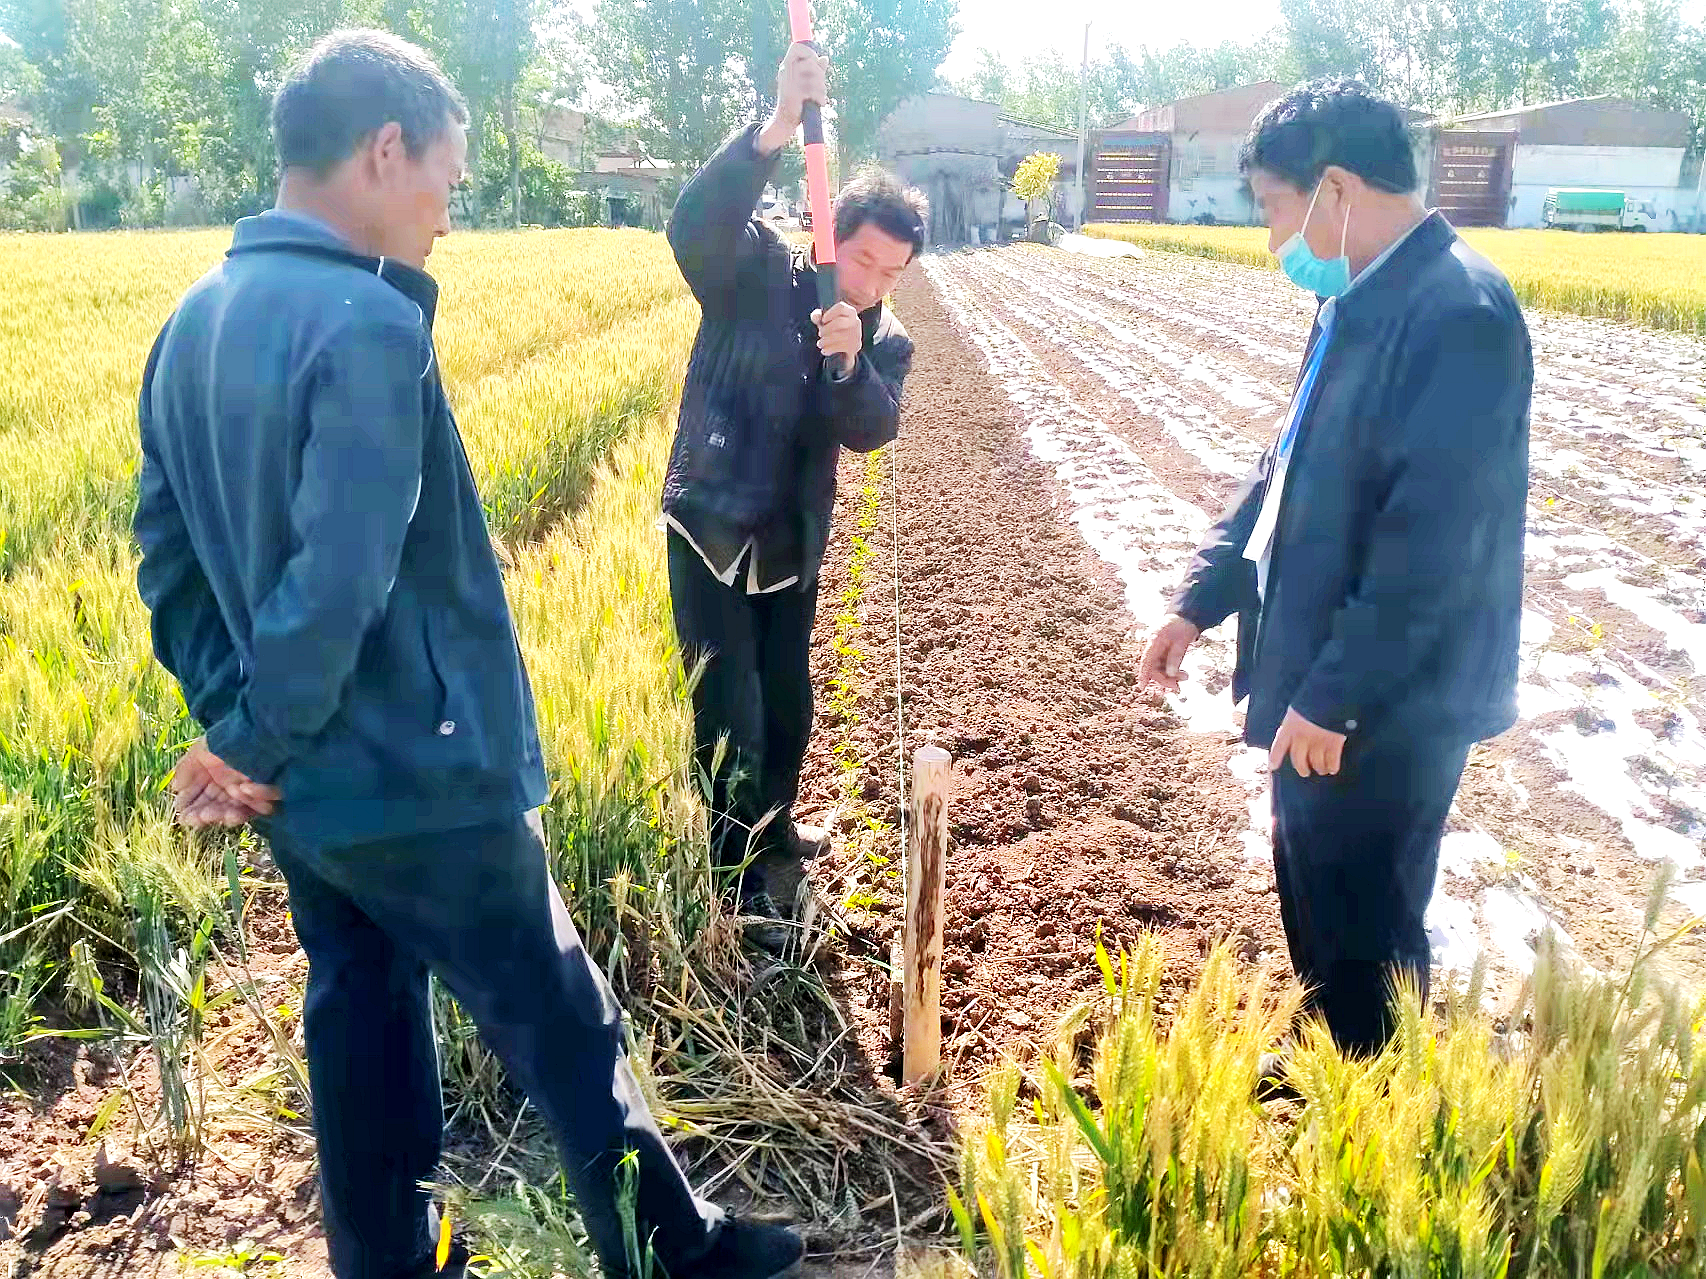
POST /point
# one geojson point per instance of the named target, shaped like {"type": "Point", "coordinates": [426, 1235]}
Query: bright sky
{"type": "Point", "coordinates": [1010, 27]}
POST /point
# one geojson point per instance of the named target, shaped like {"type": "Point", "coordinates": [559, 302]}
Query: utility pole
{"type": "Point", "coordinates": [1700, 194]}
{"type": "Point", "coordinates": [1083, 123]}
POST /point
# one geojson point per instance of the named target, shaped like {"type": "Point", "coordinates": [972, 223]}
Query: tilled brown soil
{"type": "Point", "coordinates": [1079, 806]}
{"type": "Point", "coordinates": [72, 1208]}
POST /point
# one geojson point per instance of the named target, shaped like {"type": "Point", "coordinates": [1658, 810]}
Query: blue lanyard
{"type": "Point", "coordinates": [1306, 385]}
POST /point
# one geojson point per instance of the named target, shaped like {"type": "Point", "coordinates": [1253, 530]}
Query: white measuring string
{"type": "Point", "coordinates": [899, 703]}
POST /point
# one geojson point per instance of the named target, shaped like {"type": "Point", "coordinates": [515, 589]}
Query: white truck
{"type": "Point", "coordinates": [1596, 209]}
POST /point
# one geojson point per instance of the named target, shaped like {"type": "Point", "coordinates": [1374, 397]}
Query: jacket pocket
{"type": "Point", "coordinates": [436, 670]}
{"type": "Point", "coordinates": [469, 664]}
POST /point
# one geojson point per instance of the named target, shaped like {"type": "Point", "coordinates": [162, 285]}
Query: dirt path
{"type": "Point", "coordinates": [1150, 386]}
{"type": "Point", "coordinates": [1078, 805]}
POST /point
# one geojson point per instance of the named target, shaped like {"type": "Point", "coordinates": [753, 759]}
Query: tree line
{"type": "Point", "coordinates": [1453, 57]}
{"type": "Point", "coordinates": [131, 96]}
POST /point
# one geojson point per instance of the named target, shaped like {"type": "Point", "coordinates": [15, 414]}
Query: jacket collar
{"type": "Point", "coordinates": [1388, 286]}
{"type": "Point", "coordinates": [279, 232]}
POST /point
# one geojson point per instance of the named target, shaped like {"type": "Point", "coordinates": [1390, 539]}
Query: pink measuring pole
{"type": "Point", "coordinates": [817, 162]}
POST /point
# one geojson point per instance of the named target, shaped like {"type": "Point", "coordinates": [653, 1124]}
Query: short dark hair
{"type": "Point", "coordinates": [876, 195]}
{"type": "Point", "coordinates": [1327, 122]}
{"type": "Point", "coordinates": [348, 87]}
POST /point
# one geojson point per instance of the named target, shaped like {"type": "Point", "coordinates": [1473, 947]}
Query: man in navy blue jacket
{"type": "Point", "coordinates": [1374, 557]}
{"type": "Point", "coordinates": [322, 584]}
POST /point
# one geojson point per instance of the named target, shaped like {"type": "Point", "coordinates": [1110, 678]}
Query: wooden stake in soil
{"type": "Point", "coordinates": [926, 878]}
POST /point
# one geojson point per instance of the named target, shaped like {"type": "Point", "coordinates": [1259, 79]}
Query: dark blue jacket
{"type": "Point", "coordinates": [1395, 584]}
{"type": "Point", "coordinates": [761, 426]}
{"type": "Point", "coordinates": [314, 551]}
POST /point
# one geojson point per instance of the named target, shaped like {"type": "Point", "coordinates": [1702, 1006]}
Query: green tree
{"type": "Point", "coordinates": [18, 78]}
{"type": "Point", "coordinates": [546, 187]}
{"type": "Point", "coordinates": [168, 86]}
{"type": "Point", "coordinates": [1336, 37]}
{"type": "Point", "coordinates": [1156, 77]}
{"type": "Point", "coordinates": [1034, 180]}
{"type": "Point", "coordinates": [254, 45]}
{"type": "Point", "coordinates": [511, 48]}
{"type": "Point", "coordinates": [882, 53]}
{"type": "Point", "coordinates": [990, 81]}
{"type": "Point", "coordinates": [60, 90]}
{"type": "Point", "coordinates": [1580, 29]}
{"type": "Point", "coordinates": [1046, 91]}
{"type": "Point", "coordinates": [1653, 55]}
{"type": "Point", "coordinates": [30, 197]}
{"type": "Point", "coordinates": [1044, 87]}
{"type": "Point", "coordinates": [559, 71]}
{"type": "Point", "coordinates": [679, 69]}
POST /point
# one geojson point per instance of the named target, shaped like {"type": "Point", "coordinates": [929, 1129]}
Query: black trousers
{"type": "Point", "coordinates": [1355, 857]}
{"type": "Point", "coordinates": [756, 691]}
{"type": "Point", "coordinates": [478, 909]}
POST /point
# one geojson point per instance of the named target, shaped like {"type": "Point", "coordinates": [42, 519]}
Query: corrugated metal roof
{"type": "Point", "coordinates": [1053, 130]}
{"type": "Point", "coordinates": [1600, 121]}
{"type": "Point", "coordinates": [1223, 111]}
{"type": "Point", "coordinates": [955, 97]}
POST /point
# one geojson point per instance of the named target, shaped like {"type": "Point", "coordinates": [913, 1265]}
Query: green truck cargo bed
{"type": "Point", "coordinates": [1586, 201]}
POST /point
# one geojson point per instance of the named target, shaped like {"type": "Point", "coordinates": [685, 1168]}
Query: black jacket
{"type": "Point", "coordinates": [314, 551]}
{"type": "Point", "coordinates": [761, 422]}
{"type": "Point", "coordinates": [1395, 583]}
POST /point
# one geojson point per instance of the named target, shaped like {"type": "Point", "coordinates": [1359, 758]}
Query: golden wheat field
{"type": "Point", "coordinates": [563, 352]}
{"type": "Point", "coordinates": [563, 355]}
{"type": "Point", "coordinates": [1654, 280]}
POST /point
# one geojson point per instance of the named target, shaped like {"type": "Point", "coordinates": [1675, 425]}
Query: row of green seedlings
{"type": "Point", "coordinates": [843, 703]}
{"type": "Point", "coordinates": [1565, 1142]}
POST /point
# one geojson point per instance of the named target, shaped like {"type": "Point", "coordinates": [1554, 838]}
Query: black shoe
{"type": "Point", "coordinates": [746, 1250]}
{"type": "Point", "coordinates": [1273, 1079]}
{"type": "Point", "coordinates": [762, 925]}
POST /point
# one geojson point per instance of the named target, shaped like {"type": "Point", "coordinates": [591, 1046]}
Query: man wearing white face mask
{"type": "Point", "coordinates": [1374, 557]}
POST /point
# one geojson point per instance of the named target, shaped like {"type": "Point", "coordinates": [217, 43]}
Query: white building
{"type": "Point", "coordinates": [560, 134]}
{"type": "Point", "coordinates": [632, 187]}
{"type": "Point", "coordinates": [1603, 142]}
{"type": "Point", "coordinates": [962, 154]}
{"type": "Point", "coordinates": [1179, 162]}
